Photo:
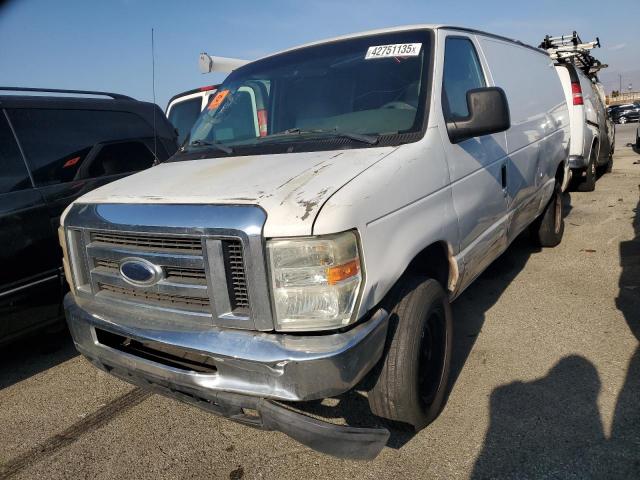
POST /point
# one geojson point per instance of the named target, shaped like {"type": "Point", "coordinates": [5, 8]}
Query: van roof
{"type": "Point", "coordinates": [420, 26]}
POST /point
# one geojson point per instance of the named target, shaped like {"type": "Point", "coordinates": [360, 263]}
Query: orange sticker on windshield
{"type": "Point", "coordinates": [218, 99]}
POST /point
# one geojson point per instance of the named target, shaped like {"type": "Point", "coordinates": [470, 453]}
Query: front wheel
{"type": "Point", "coordinates": [622, 120]}
{"type": "Point", "coordinates": [548, 229]}
{"type": "Point", "coordinates": [411, 384]}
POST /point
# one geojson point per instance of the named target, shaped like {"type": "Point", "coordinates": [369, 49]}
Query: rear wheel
{"type": "Point", "coordinates": [607, 167]}
{"type": "Point", "coordinates": [588, 183]}
{"type": "Point", "coordinates": [411, 383]}
{"type": "Point", "coordinates": [548, 228]}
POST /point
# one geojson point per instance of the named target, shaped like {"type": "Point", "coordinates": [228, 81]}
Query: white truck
{"type": "Point", "coordinates": [331, 202]}
{"type": "Point", "coordinates": [184, 109]}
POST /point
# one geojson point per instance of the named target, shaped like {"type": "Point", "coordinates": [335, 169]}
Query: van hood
{"type": "Point", "coordinates": [290, 187]}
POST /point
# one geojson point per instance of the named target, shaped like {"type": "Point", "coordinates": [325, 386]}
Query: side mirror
{"type": "Point", "coordinates": [488, 113]}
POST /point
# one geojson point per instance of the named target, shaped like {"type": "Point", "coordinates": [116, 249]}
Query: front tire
{"type": "Point", "coordinates": [622, 120]}
{"type": "Point", "coordinates": [411, 384]}
{"type": "Point", "coordinates": [548, 229]}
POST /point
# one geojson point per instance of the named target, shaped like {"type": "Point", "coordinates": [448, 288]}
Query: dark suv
{"type": "Point", "coordinates": [52, 150]}
{"type": "Point", "coordinates": [626, 113]}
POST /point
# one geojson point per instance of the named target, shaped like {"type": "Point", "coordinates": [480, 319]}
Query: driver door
{"type": "Point", "coordinates": [477, 166]}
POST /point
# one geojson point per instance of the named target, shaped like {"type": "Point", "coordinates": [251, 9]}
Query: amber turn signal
{"type": "Point", "coordinates": [342, 272]}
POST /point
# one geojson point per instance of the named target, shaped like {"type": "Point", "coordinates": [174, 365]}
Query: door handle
{"type": "Point", "coordinates": [503, 177]}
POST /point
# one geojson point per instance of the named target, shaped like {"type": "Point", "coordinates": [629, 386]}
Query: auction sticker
{"type": "Point", "coordinates": [218, 99]}
{"type": "Point", "coordinates": [394, 50]}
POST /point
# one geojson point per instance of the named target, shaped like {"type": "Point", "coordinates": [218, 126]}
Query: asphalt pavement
{"type": "Point", "coordinates": [545, 381]}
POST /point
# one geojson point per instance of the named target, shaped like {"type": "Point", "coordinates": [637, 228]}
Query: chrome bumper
{"type": "Point", "coordinates": [264, 365]}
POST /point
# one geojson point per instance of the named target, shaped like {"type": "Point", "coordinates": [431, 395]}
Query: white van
{"type": "Point", "coordinates": [184, 109]}
{"type": "Point", "coordinates": [592, 132]}
{"type": "Point", "coordinates": [331, 202]}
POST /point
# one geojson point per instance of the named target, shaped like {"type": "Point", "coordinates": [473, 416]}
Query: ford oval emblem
{"type": "Point", "coordinates": [140, 272]}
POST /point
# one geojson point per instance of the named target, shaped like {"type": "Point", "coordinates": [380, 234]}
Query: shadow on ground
{"type": "Point", "coordinates": [551, 427]}
{"type": "Point", "coordinates": [24, 358]}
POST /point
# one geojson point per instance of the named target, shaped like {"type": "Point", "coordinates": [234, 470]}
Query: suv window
{"type": "Point", "coordinates": [117, 158]}
{"type": "Point", "coordinates": [14, 174]}
{"type": "Point", "coordinates": [462, 72]}
{"type": "Point", "coordinates": [57, 142]}
{"type": "Point", "coordinates": [183, 115]}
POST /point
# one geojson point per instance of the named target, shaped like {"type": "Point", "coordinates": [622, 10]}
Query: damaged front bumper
{"type": "Point", "coordinates": [242, 375]}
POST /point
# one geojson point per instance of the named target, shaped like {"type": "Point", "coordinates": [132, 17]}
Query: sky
{"type": "Point", "coordinates": [106, 45]}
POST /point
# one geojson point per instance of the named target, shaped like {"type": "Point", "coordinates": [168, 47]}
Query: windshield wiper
{"type": "Point", "coordinates": [216, 145]}
{"type": "Point", "coordinates": [359, 137]}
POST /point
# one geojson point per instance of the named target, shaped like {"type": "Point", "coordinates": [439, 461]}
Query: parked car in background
{"type": "Point", "coordinates": [626, 113]}
{"type": "Point", "coordinates": [286, 255]}
{"type": "Point", "coordinates": [54, 149]}
{"type": "Point", "coordinates": [592, 134]}
{"type": "Point", "coordinates": [184, 109]}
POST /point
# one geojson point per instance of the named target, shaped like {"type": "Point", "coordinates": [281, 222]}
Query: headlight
{"type": "Point", "coordinates": [315, 281]}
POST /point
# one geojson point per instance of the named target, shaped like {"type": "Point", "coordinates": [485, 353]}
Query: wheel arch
{"type": "Point", "coordinates": [438, 262]}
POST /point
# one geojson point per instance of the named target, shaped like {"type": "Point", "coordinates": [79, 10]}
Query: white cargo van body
{"type": "Point", "coordinates": [278, 253]}
{"type": "Point", "coordinates": [592, 135]}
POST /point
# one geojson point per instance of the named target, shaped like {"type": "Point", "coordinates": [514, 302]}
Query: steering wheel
{"type": "Point", "coordinates": [399, 105]}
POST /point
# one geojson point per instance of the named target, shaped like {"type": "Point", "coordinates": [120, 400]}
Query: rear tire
{"type": "Point", "coordinates": [412, 380]}
{"type": "Point", "coordinates": [588, 184]}
{"type": "Point", "coordinates": [548, 228]}
{"type": "Point", "coordinates": [607, 167]}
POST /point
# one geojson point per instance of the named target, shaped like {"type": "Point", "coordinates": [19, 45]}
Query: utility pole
{"type": "Point", "coordinates": [620, 77]}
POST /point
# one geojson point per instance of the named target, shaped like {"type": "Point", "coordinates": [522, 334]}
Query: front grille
{"type": "Point", "coordinates": [183, 285]}
{"type": "Point", "coordinates": [198, 266]}
{"type": "Point", "coordinates": [160, 299]}
{"type": "Point", "coordinates": [150, 242]}
{"type": "Point", "coordinates": [236, 277]}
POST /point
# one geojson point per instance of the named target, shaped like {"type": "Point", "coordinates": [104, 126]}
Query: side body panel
{"type": "Point", "coordinates": [604, 125]}
{"type": "Point", "coordinates": [594, 123]}
{"type": "Point", "coordinates": [538, 137]}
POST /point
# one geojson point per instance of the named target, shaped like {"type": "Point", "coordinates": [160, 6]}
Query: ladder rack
{"type": "Point", "coordinates": [571, 48]}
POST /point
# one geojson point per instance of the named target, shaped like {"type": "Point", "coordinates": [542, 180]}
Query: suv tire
{"type": "Point", "coordinates": [411, 384]}
{"type": "Point", "coordinates": [548, 228]}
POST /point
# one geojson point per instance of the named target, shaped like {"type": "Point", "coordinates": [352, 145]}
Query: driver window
{"type": "Point", "coordinates": [462, 72]}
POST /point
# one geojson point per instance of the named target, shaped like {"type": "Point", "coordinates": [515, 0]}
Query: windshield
{"type": "Point", "coordinates": [358, 90]}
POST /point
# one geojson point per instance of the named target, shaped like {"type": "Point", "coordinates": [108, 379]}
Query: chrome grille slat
{"type": "Point", "coordinates": [157, 243]}
{"type": "Point", "coordinates": [107, 276]}
{"type": "Point", "coordinates": [237, 276]}
{"type": "Point", "coordinates": [161, 300]}
{"type": "Point", "coordinates": [117, 253]}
